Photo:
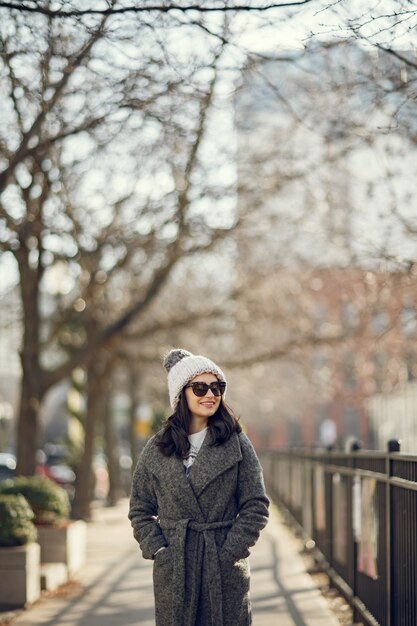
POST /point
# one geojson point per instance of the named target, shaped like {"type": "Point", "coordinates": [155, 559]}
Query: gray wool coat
{"type": "Point", "coordinates": [208, 521]}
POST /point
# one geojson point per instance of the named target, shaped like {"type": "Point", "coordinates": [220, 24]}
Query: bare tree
{"type": "Point", "coordinates": [96, 224]}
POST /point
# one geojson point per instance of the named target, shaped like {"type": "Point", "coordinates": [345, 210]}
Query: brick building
{"type": "Point", "coordinates": [363, 348]}
{"type": "Point", "coordinates": [375, 314]}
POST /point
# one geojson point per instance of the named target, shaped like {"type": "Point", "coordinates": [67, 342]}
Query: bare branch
{"type": "Point", "coordinates": [283, 351]}
{"type": "Point", "coordinates": [157, 8]}
{"type": "Point", "coordinates": [388, 50]}
{"type": "Point", "coordinates": [73, 63]}
{"type": "Point", "coordinates": [179, 322]}
{"type": "Point", "coordinates": [13, 82]}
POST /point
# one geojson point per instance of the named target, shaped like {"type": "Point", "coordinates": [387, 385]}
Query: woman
{"type": "Point", "coordinates": [198, 502]}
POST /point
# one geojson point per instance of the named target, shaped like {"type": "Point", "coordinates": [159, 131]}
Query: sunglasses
{"type": "Point", "coordinates": [200, 389]}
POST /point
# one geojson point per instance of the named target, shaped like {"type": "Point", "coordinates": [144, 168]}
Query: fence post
{"type": "Point", "coordinates": [328, 507]}
{"type": "Point", "coordinates": [355, 446]}
{"type": "Point", "coordinates": [393, 445]}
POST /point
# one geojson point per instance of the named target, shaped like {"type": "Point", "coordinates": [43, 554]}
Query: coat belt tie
{"type": "Point", "coordinates": [211, 563]}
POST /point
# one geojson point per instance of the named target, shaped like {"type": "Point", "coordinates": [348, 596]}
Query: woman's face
{"type": "Point", "coordinates": [204, 407]}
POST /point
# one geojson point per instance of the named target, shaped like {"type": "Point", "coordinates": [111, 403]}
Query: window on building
{"type": "Point", "coordinates": [380, 369]}
{"type": "Point", "coordinates": [349, 315]}
{"type": "Point", "coordinates": [294, 432]}
{"type": "Point", "coordinates": [321, 412]}
{"type": "Point", "coordinates": [351, 421]}
{"type": "Point", "coordinates": [379, 322]}
{"type": "Point", "coordinates": [320, 365]}
{"type": "Point", "coordinates": [349, 370]}
{"type": "Point", "coordinates": [408, 319]}
{"type": "Point", "coordinates": [320, 315]}
{"type": "Point", "coordinates": [411, 365]}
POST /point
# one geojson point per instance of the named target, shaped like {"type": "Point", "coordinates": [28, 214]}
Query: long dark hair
{"type": "Point", "coordinates": [173, 438]}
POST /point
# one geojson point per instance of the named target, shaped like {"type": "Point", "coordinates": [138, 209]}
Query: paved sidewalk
{"type": "Point", "coordinates": [116, 584]}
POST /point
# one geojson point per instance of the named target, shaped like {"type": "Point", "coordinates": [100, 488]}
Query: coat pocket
{"type": "Point", "coordinates": [163, 556]}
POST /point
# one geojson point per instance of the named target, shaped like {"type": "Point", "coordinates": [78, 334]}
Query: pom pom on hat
{"type": "Point", "coordinates": [174, 356]}
{"type": "Point", "coordinates": [182, 366]}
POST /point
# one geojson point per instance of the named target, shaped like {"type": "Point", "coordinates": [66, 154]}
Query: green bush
{"type": "Point", "coordinates": [49, 502]}
{"type": "Point", "coordinates": [16, 526]}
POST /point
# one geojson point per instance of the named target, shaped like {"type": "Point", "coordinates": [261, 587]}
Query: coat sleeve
{"type": "Point", "coordinates": [143, 511]}
{"type": "Point", "coordinates": [252, 506]}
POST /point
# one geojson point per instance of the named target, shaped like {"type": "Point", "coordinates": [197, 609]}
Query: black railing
{"type": "Point", "coordinates": [360, 510]}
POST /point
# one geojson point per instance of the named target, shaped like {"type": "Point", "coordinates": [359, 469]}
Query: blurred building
{"type": "Point", "coordinates": [369, 369]}
{"type": "Point", "coordinates": [325, 184]}
{"type": "Point", "coordinates": [343, 364]}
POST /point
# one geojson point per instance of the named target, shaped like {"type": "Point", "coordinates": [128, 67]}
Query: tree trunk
{"type": "Point", "coordinates": [28, 425]}
{"type": "Point", "coordinates": [84, 484]}
{"type": "Point", "coordinates": [111, 449]}
{"type": "Point", "coordinates": [133, 395]}
{"type": "Point", "coordinates": [31, 393]}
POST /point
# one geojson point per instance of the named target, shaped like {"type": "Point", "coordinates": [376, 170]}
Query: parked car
{"type": "Point", "coordinates": [52, 462]}
{"type": "Point", "coordinates": [7, 465]}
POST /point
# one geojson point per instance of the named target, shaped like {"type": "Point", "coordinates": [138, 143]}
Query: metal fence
{"type": "Point", "coordinates": [360, 510]}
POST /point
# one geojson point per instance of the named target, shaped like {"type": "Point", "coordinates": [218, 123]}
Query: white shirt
{"type": "Point", "coordinates": [196, 441]}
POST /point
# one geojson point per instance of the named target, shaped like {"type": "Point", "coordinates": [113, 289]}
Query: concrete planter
{"type": "Point", "coordinates": [66, 544]}
{"type": "Point", "coordinates": [53, 575]}
{"type": "Point", "coordinates": [19, 575]}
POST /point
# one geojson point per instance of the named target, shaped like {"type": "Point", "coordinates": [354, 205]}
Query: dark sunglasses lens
{"type": "Point", "coordinates": [221, 386]}
{"type": "Point", "coordinates": [215, 389]}
{"type": "Point", "coordinates": [200, 389]}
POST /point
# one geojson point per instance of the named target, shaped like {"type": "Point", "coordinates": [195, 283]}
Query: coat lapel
{"type": "Point", "coordinates": [171, 469]}
{"type": "Point", "coordinates": [211, 461]}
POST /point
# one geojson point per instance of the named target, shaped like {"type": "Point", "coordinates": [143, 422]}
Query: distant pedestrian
{"type": "Point", "coordinates": [198, 502]}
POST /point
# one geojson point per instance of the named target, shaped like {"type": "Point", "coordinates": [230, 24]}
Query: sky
{"type": "Point", "coordinates": [273, 32]}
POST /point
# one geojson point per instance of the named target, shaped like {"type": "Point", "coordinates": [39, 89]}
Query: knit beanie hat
{"type": "Point", "coordinates": [182, 366]}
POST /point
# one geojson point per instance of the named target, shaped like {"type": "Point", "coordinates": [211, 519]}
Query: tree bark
{"type": "Point", "coordinates": [32, 392]}
{"type": "Point", "coordinates": [85, 480]}
{"type": "Point", "coordinates": [111, 449]}
{"type": "Point", "coordinates": [28, 425]}
{"type": "Point", "coordinates": [133, 394]}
